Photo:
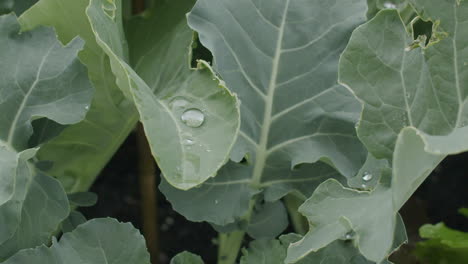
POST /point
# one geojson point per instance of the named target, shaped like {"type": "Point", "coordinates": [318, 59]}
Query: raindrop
{"type": "Point", "coordinates": [349, 236]}
{"type": "Point", "coordinates": [389, 5]}
{"type": "Point", "coordinates": [178, 103]}
{"type": "Point", "coordinates": [216, 201]}
{"type": "Point", "coordinates": [86, 108]}
{"type": "Point", "coordinates": [188, 142]}
{"type": "Point", "coordinates": [193, 118]}
{"type": "Point", "coordinates": [367, 177]}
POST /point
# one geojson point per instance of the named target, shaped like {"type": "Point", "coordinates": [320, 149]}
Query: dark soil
{"type": "Point", "coordinates": [437, 200]}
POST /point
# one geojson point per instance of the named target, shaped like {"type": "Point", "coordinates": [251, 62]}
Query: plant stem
{"type": "Point", "coordinates": [229, 246]}
{"type": "Point", "coordinates": [298, 221]}
{"type": "Point", "coordinates": [148, 204]}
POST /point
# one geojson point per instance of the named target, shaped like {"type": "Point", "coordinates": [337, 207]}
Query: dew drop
{"type": "Point", "coordinates": [367, 177]}
{"type": "Point", "coordinates": [216, 201]}
{"type": "Point", "coordinates": [349, 236]}
{"type": "Point", "coordinates": [389, 5]}
{"type": "Point", "coordinates": [188, 142]}
{"type": "Point", "coordinates": [193, 118]}
{"type": "Point", "coordinates": [86, 107]}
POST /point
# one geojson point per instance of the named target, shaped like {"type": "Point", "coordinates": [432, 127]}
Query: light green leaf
{"type": "Point", "coordinates": [186, 258]}
{"type": "Point", "coordinates": [335, 210]}
{"type": "Point", "coordinates": [413, 116]}
{"type": "Point", "coordinates": [191, 120]}
{"type": "Point", "coordinates": [445, 245]}
{"type": "Point", "coordinates": [274, 252]}
{"type": "Point", "coordinates": [110, 118]}
{"type": "Point", "coordinates": [35, 69]}
{"type": "Point", "coordinates": [95, 242]}
{"type": "Point", "coordinates": [268, 221]}
{"type": "Point", "coordinates": [40, 79]}
{"type": "Point", "coordinates": [44, 207]}
{"type": "Point", "coordinates": [72, 221]}
{"type": "Point", "coordinates": [297, 123]}
{"type": "Point", "coordinates": [447, 236]}
{"type": "Point", "coordinates": [83, 199]}
{"type": "Point", "coordinates": [264, 251]}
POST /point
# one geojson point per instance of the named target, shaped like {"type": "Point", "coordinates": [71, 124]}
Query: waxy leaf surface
{"type": "Point", "coordinates": [41, 78]}
{"type": "Point", "coordinates": [95, 242]}
{"type": "Point", "coordinates": [281, 58]}
{"type": "Point", "coordinates": [414, 96]}
{"type": "Point", "coordinates": [191, 120]}
{"type": "Point", "coordinates": [83, 149]}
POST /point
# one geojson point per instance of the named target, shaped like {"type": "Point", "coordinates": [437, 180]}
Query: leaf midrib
{"type": "Point", "coordinates": [11, 132]}
{"type": "Point", "coordinates": [267, 118]}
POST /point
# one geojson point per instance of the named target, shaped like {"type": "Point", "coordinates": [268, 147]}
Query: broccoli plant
{"type": "Point", "coordinates": [325, 114]}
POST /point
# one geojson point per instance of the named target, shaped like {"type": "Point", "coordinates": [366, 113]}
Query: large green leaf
{"type": "Point", "coordinates": [191, 120]}
{"type": "Point", "coordinates": [40, 79]}
{"type": "Point", "coordinates": [95, 242]}
{"type": "Point", "coordinates": [414, 115]}
{"type": "Point", "coordinates": [281, 59]}
{"type": "Point", "coordinates": [82, 150]}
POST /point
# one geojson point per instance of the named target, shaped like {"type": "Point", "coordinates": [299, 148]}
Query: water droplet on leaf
{"type": "Point", "coordinates": [216, 201]}
{"type": "Point", "coordinates": [86, 107]}
{"type": "Point", "coordinates": [349, 236]}
{"type": "Point", "coordinates": [193, 118]}
{"type": "Point", "coordinates": [389, 5]}
{"type": "Point", "coordinates": [188, 142]}
{"type": "Point", "coordinates": [367, 176]}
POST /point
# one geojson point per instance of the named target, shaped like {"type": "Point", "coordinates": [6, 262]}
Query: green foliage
{"type": "Point", "coordinates": [413, 116]}
{"type": "Point", "coordinates": [295, 131]}
{"type": "Point", "coordinates": [302, 98]}
{"type": "Point", "coordinates": [443, 244]}
{"type": "Point", "coordinates": [95, 242]}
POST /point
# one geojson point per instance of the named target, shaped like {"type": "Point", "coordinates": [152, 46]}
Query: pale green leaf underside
{"type": "Point", "coordinates": [82, 150]}
{"type": "Point", "coordinates": [187, 155]}
{"type": "Point", "coordinates": [293, 112]}
{"type": "Point", "coordinates": [97, 241]}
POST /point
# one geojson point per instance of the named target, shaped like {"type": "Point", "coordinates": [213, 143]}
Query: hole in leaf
{"type": "Point", "coordinates": [200, 52]}
{"type": "Point", "coordinates": [424, 29]}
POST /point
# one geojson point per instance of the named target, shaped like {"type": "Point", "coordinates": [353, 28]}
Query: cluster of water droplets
{"type": "Point", "coordinates": [366, 178]}
{"type": "Point", "coordinates": [191, 117]}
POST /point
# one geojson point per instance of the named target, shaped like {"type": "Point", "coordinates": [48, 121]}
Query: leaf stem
{"type": "Point", "coordinates": [299, 222]}
{"type": "Point", "coordinates": [148, 204]}
{"type": "Point", "coordinates": [229, 246]}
